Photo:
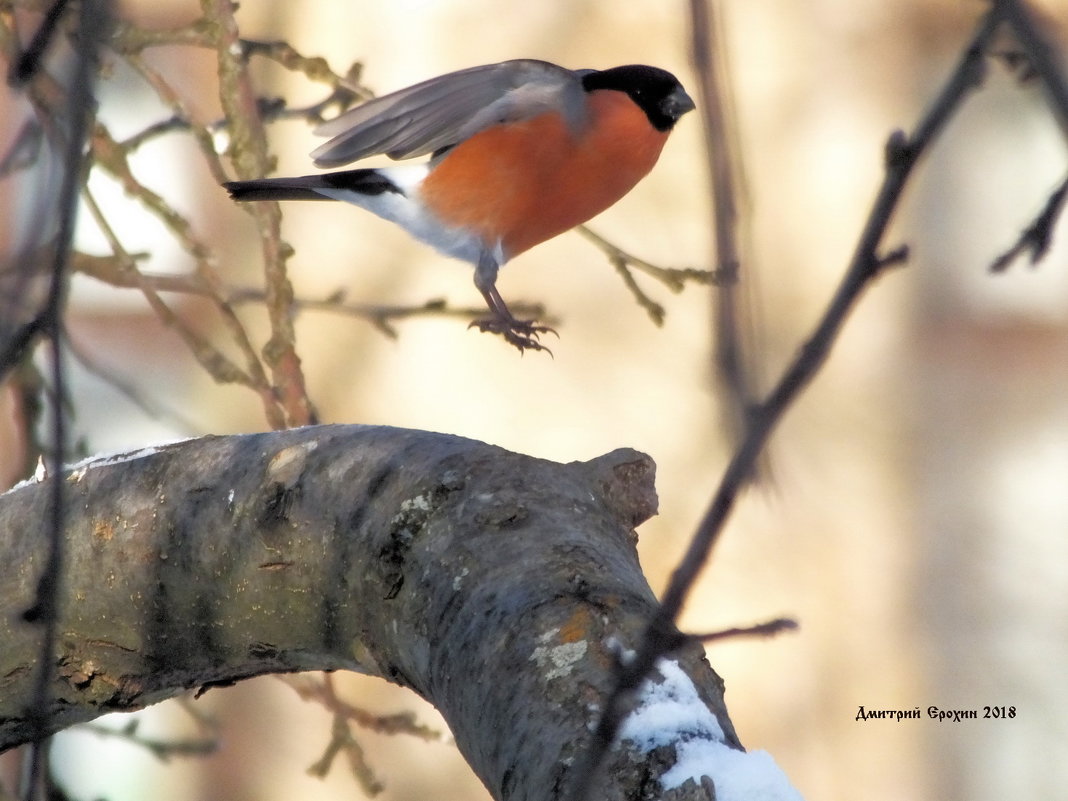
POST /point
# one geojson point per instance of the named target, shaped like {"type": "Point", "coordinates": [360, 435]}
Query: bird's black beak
{"type": "Point", "coordinates": [677, 103]}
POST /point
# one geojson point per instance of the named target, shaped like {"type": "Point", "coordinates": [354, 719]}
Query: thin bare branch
{"type": "Point", "coordinates": [24, 150]}
{"type": "Point", "coordinates": [166, 93]}
{"type": "Point", "coordinates": [673, 278]}
{"type": "Point", "coordinates": [733, 361]}
{"type": "Point", "coordinates": [110, 157]}
{"type": "Point", "coordinates": [342, 741]}
{"type": "Point", "coordinates": [161, 749]}
{"type": "Point", "coordinates": [151, 407]}
{"type": "Point", "coordinates": [1035, 240]}
{"type": "Point", "coordinates": [92, 23]}
{"type": "Point", "coordinates": [272, 109]}
{"type": "Point", "coordinates": [28, 64]}
{"type": "Point", "coordinates": [902, 155]}
{"type": "Point", "coordinates": [129, 38]}
{"type": "Point", "coordinates": [769, 628]}
{"type": "Point", "coordinates": [347, 87]}
{"type": "Point", "coordinates": [222, 369]}
{"type": "Point", "coordinates": [248, 151]}
{"type": "Point", "coordinates": [116, 271]}
{"type": "Point", "coordinates": [321, 690]}
{"type": "Point", "coordinates": [1041, 55]}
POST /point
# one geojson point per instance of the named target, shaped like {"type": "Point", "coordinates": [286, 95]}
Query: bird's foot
{"type": "Point", "coordinates": [523, 334]}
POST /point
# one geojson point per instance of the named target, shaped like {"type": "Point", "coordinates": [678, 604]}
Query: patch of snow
{"type": "Point", "coordinates": [76, 472]}
{"type": "Point", "coordinates": [671, 713]}
{"type": "Point", "coordinates": [101, 459]}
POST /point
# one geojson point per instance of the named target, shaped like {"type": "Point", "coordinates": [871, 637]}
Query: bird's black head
{"type": "Point", "coordinates": [657, 92]}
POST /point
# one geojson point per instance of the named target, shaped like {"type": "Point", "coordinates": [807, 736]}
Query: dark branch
{"type": "Point", "coordinates": [674, 278]}
{"type": "Point", "coordinates": [768, 629]}
{"type": "Point", "coordinates": [163, 750]}
{"type": "Point", "coordinates": [902, 155]}
{"type": "Point", "coordinates": [29, 61]}
{"type": "Point", "coordinates": [733, 363]}
{"type": "Point", "coordinates": [92, 24]}
{"type": "Point", "coordinates": [1040, 54]}
{"type": "Point", "coordinates": [1035, 240]}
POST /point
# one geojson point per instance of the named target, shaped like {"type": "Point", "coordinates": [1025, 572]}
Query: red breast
{"type": "Point", "coordinates": [523, 183]}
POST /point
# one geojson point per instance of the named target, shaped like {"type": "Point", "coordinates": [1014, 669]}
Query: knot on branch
{"type": "Point", "coordinates": [626, 480]}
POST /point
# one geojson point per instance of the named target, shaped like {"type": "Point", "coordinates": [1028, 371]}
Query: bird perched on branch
{"type": "Point", "coordinates": [520, 151]}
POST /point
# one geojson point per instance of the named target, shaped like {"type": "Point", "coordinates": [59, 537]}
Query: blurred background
{"type": "Point", "coordinates": [916, 515]}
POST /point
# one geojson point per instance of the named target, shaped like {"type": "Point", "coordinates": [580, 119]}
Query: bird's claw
{"type": "Point", "coordinates": [523, 334]}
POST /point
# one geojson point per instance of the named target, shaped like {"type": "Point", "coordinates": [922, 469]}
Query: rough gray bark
{"type": "Point", "coordinates": [499, 587]}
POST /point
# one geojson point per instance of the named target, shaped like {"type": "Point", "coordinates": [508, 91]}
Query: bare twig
{"type": "Point", "coordinates": [128, 38]}
{"type": "Point", "coordinates": [119, 271]}
{"type": "Point", "coordinates": [272, 109]}
{"type": "Point", "coordinates": [248, 150]}
{"type": "Point", "coordinates": [902, 155]}
{"type": "Point", "coordinates": [91, 26]}
{"type": "Point", "coordinates": [342, 740]}
{"type": "Point", "coordinates": [382, 316]}
{"type": "Point", "coordinates": [166, 93]}
{"type": "Point", "coordinates": [322, 691]}
{"type": "Point", "coordinates": [769, 628]}
{"type": "Point", "coordinates": [206, 267]}
{"type": "Point", "coordinates": [161, 749]}
{"type": "Point", "coordinates": [16, 342]}
{"type": "Point", "coordinates": [28, 63]}
{"type": "Point", "coordinates": [1040, 54]}
{"type": "Point", "coordinates": [210, 358]}
{"type": "Point", "coordinates": [674, 279]}
{"type": "Point", "coordinates": [652, 308]}
{"type": "Point", "coordinates": [24, 149]}
{"type": "Point", "coordinates": [132, 392]}
{"type": "Point", "coordinates": [729, 314]}
{"type": "Point", "coordinates": [347, 88]}
{"type": "Point", "coordinates": [1036, 239]}
{"type": "Point", "coordinates": [1043, 64]}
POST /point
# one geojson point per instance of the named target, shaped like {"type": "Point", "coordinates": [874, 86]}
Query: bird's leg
{"type": "Point", "coordinates": [523, 334]}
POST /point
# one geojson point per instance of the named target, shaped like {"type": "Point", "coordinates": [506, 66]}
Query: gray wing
{"type": "Point", "coordinates": [448, 109]}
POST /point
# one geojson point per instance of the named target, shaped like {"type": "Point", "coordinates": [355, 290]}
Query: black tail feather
{"type": "Point", "coordinates": [271, 189]}
{"type": "Point", "coordinates": [308, 187]}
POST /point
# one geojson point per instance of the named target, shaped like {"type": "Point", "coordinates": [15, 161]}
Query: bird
{"type": "Point", "coordinates": [519, 152]}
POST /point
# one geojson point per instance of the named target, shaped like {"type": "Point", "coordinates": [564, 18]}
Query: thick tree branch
{"type": "Point", "coordinates": [504, 589]}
